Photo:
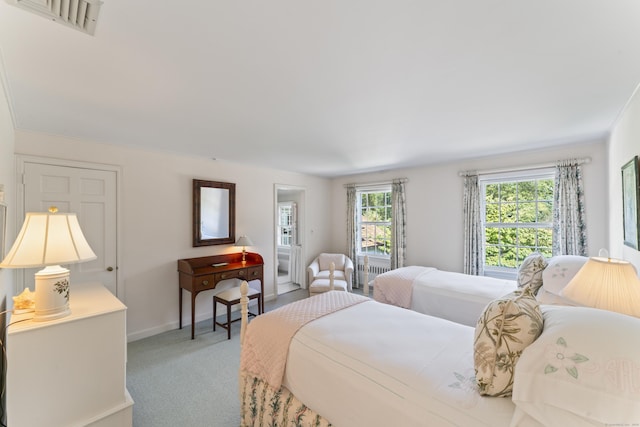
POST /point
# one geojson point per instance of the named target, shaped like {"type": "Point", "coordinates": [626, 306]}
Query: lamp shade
{"type": "Point", "coordinates": [244, 241]}
{"type": "Point", "coordinates": [48, 239]}
{"type": "Point", "coordinates": [606, 283]}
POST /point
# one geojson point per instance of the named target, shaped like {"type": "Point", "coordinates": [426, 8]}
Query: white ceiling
{"type": "Point", "coordinates": [327, 87]}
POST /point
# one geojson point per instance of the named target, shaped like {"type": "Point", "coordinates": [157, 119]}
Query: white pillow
{"type": "Point", "coordinates": [560, 271]}
{"type": "Point", "coordinates": [583, 369]}
{"type": "Point", "coordinates": [545, 297]}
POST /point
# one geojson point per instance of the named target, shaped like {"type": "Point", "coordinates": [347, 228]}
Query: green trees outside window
{"type": "Point", "coordinates": [374, 213]}
{"type": "Point", "coordinates": [518, 221]}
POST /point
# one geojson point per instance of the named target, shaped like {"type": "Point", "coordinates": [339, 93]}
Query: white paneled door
{"type": "Point", "coordinates": [92, 195]}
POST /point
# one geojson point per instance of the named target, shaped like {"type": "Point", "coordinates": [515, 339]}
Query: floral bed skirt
{"type": "Point", "coordinates": [263, 406]}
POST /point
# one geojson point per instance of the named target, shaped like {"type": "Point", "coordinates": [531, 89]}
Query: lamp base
{"type": "Point", "coordinates": [52, 293]}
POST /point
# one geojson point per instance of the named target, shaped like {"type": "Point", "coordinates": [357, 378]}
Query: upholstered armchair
{"type": "Point", "coordinates": [343, 268]}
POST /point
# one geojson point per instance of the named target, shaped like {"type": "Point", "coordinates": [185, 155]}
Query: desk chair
{"type": "Point", "coordinates": [231, 297]}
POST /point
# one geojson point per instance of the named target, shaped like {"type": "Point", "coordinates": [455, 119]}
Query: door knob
{"type": "Point", "coordinates": [109, 268]}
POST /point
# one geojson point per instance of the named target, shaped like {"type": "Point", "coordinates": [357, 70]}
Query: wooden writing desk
{"type": "Point", "coordinates": [199, 274]}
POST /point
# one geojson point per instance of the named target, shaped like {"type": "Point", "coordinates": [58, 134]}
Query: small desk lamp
{"type": "Point", "coordinates": [244, 241]}
{"type": "Point", "coordinates": [606, 283]}
{"type": "Point", "coordinates": [48, 240]}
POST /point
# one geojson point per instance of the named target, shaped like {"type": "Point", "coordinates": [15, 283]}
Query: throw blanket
{"type": "Point", "coordinates": [266, 342]}
{"type": "Point", "coordinates": [395, 287]}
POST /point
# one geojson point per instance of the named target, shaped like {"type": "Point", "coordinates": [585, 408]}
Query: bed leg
{"type": "Point", "coordinates": [365, 289]}
{"type": "Point", "coordinates": [332, 268]}
{"type": "Point", "coordinates": [244, 309]}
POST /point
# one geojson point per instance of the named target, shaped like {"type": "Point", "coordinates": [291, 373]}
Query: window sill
{"type": "Point", "coordinates": [506, 274]}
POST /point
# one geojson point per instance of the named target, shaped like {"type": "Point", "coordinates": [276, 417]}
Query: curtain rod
{"type": "Point", "coordinates": [373, 184]}
{"type": "Point", "coordinates": [524, 168]}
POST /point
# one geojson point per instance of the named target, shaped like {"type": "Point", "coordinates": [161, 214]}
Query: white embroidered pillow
{"type": "Point", "coordinates": [583, 370]}
{"type": "Point", "coordinates": [560, 271]}
{"type": "Point", "coordinates": [505, 328]}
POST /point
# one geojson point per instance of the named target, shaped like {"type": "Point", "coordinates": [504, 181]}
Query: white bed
{"type": "Point", "coordinates": [453, 296]}
{"type": "Point", "coordinates": [419, 374]}
{"type": "Point", "coordinates": [372, 364]}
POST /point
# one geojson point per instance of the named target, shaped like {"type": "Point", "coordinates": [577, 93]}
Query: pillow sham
{"type": "Point", "coordinates": [530, 272]}
{"type": "Point", "coordinates": [560, 271]}
{"type": "Point", "coordinates": [505, 328]}
{"type": "Point", "coordinates": [583, 369]}
{"type": "Point", "coordinates": [545, 297]}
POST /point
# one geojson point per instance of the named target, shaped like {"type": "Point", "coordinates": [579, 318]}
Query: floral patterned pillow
{"type": "Point", "coordinates": [530, 272]}
{"type": "Point", "coordinates": [505, 328]}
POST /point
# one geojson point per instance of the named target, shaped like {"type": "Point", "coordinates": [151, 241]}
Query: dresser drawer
{"type": "Point", "coordinates": [203, 282]}
{"type": "Point", "coordinates": [241, 273]}
{"type": "Point", "coordinates": [254, 273]}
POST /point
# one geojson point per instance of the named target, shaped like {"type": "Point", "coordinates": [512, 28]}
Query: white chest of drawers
{"type": "Point", "coordinates": [70, 371]}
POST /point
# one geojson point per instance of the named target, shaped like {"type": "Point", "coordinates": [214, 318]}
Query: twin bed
{"type": "Point", "coordinates": [453, 296]}
{"type": "Point", "coordinates": [345, 360]}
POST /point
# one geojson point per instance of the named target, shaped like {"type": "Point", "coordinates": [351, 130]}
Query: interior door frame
{"type": "Point", "coordinates": [22, 159]}
{"type": "Point", "coordinates": [301, 232]}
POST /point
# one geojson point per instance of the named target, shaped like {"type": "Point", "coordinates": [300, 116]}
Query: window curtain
{"type": "Point", "coordinates": [295, 267]}
{"type": "Point", "coordinates": [352, 233]}
{"type": "Point", "coordinates": [569, 225]}
{"type": "Point", "coordinates": [398, 224]}
{"type": "Point", "coordinates": [473, 245]}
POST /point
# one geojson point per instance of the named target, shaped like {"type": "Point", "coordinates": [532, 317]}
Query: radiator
{"type": "Point", "coordinates": [375, 268]}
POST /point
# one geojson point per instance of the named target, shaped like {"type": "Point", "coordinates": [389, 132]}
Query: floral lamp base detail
{"type": "Point", "coordinates": [52, 293]}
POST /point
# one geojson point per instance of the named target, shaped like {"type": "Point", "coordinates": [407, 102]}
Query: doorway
{"type": "Point", "coordinates": [289, 238]}
{"type": "Point", "coordinates": [91, 191]}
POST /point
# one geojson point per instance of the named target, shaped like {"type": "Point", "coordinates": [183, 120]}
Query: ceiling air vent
{"type": "Point", "coordinates": [79, 14]}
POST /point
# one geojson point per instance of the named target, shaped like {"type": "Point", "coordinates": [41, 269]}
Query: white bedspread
{"type": "Point", "coordinates": [445, 294]}
{"type": "Point", "coordinates": [456, 296]}
{"type": "Point", "coordinates": [375, 364]}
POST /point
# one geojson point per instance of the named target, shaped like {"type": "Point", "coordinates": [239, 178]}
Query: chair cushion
{"type": "Point", "coordinates": [322, 285]}
{"type": "Point", "coordinates": [505, 328]}
{"type": "Point", "coordinates": [337, 275]}
{"type": "Point", "coordinates": [325, 260]}
{"type": "Point", "coordinates": [233, 294]}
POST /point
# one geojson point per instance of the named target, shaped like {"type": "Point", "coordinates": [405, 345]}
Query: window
{"type": "Point", "coordinates": [285, 224]}
{"type": "Point", "coordinates": [374, 222]}
{"type": "Point", "coordinates": [518, 218]}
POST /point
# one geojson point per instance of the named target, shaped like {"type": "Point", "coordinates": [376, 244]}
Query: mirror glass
{"type": "Point", "coordinates": [213, 213]}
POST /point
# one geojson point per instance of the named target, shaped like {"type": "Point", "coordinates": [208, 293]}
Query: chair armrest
{"type": "Point", "coordinates": [348, 273]}
{"type": "Point", "coordinates": [313, 270]}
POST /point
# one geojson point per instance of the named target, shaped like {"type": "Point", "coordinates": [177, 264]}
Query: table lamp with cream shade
{"type": "Point", "coordinates": [606, 283]}
{"type": "Point", "coordinates": [244, 241]}
{"type": "Point", "coordinates": [48, 240]}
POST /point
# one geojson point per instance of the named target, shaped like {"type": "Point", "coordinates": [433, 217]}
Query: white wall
{"type": "Point", "coordinates": [434, 202]}
{"type": "Point", "coordinates": [156, 213]}
{"type": "Point", "coordinates": [624, 143]}
{"type": "Point", "coordinates": [7, 178]}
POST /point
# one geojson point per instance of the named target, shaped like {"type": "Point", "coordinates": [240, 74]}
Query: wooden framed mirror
{"type": "Point", "coordinates": [214, 213]}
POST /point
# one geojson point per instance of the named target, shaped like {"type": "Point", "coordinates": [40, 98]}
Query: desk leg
{"type": "Point", "coordinates": [180, 309]}
{"type": "Point", "coordinates": [261, 302]}
{"type": "Point", "coordinates": [193, 313]}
